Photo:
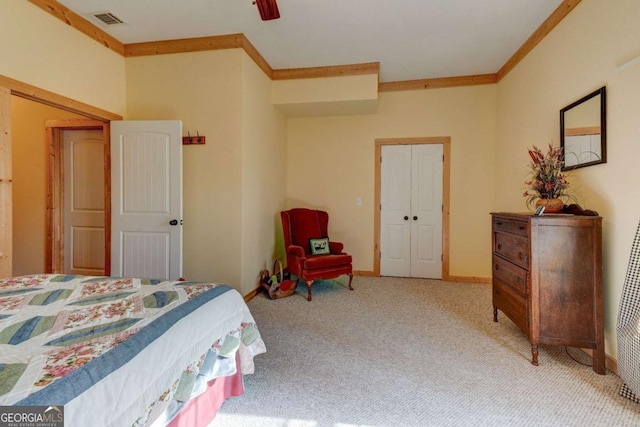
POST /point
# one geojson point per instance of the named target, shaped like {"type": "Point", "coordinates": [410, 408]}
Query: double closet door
{"type": "Point", "coordinates": [411, 211]}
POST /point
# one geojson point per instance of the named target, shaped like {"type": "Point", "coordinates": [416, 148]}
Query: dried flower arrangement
{"type": "Point", "coordinates": [546, 180]}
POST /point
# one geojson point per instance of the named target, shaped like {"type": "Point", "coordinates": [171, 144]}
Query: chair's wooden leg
{"type": "Point", "coordinates": [350, 279]}
{"type": "Point", "coordinates": [309, 283]}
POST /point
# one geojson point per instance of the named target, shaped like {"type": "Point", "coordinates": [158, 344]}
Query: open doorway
{"type": "Point", "coordinates": [38, 185]}
{"type": "Point", "coordinates": [9, 90]}
{"type": "Point", "coordinates": [78, 222]}
{"type": "Point", "coordinates": [49, 257]}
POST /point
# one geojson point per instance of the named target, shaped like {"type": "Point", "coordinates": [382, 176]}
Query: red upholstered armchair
{"type": "Point", "coordinates": [299, 226]}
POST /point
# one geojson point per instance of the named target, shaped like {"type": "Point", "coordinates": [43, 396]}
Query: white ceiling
{"type": "Point", "coordinates": [412, 39]}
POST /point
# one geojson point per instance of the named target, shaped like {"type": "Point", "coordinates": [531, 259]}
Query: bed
{"type": "Point", "coordinates": [124, 351]}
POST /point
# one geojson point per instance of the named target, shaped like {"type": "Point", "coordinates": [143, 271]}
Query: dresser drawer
{"type": "Point", "coordinates": [514, 306]}
{"type": "Point", "coordinates": [509, 225]}
{"type": "Point", "coordinates": [510, 274]}
{"type": "Point", "coordinates": [512, 248]}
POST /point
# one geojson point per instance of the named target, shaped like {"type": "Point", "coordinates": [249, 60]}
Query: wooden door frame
{"type": "Point", "coordinates": [54, 226]}
{"type": "Point", "coordinates": [446, 169]}
{"type": "Point", "coordinates": [6, 186]}
{"type": "Point", "coordinates": [9, 87]}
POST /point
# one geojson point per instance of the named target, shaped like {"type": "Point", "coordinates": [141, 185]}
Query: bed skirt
{"type": "Point", "coordinates": [201, 410]}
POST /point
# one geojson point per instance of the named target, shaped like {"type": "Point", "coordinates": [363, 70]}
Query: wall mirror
{"type": "Point", "coordinates": [583, 136]}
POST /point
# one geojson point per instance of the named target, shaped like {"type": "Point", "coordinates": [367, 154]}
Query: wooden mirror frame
{"type": "Point", "coordinates": [594, 129]}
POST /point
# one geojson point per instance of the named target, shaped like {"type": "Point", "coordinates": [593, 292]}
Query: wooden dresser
{"type": "Point", "coordinates": [547, 278]}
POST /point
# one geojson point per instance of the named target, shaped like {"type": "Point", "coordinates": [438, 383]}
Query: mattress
{"type": "Point", "coordinates": [119, 351]}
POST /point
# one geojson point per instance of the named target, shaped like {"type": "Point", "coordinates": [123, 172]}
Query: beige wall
{"type": "Point", "coordinates": [216, 94]}
{"type": "Point", "coordinates": [29, 182]}
{"type": "Point", "coordinates": [331, 164]}
{"type": "Point", "coordinates": [234, 184]}
{"type": "Point", "coordinates": [203, 89]}
{"type": "Point", "coordinates": [41, 50]}
{"type": "Point", "coordinates": [580, 55]}
{"type": "Point", "coordinates": [264, 175]}
{"type": "Point", "coordinates": [326, 95]}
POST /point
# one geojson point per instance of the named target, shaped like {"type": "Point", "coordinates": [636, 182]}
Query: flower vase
{"type": "Point", "coordinates": [551, 205]}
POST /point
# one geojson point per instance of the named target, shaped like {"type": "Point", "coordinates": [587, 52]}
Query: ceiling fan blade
{"type": "Point", "coordinates": [268, 9]}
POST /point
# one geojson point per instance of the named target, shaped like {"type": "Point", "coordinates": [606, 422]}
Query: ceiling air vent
{"type": "Point", "coordinates": [107, 18]}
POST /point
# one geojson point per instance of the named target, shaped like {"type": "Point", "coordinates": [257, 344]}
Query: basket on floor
{"type": "Point", "coordinates": [275, 285]}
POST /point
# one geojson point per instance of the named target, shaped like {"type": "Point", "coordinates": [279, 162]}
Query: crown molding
{"type": "Point", "coordinates": [198, 44]}
{"type": "Point", "coordinates": [443, 82]}
{"type": "Point", "coordinates": [257, 57]}
{"type": "Point", "coordinates": [76, 21]}
{"type": "Point", "coordinates": [326, 71]}
{"type": "Point", "coordinates": [549, 24]}
{"type": "Point", "coordinates": [163, 47]}
{"type": "Point", "coordinates": [232, 41]}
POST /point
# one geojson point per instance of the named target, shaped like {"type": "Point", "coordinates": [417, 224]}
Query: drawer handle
{"type": "Point", "coordinates": [522, 227]}
{"type": "Point", "coordinates": [520, 255]}
{"type": "Point", "coordinates": [498, 222]}
{"type": "Point", "coordinates": [497, 267]}
{"type": "Point", "coordinates": [499, 246]}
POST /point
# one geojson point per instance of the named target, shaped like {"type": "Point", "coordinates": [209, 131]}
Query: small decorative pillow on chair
{"type": "Point", "coordinates": [319, 246]}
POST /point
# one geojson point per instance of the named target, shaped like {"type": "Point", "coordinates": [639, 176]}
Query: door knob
{"type": "Point", "coordinates": [406, 218]}
{"type": "Point", "coordinates": [173, 222]}
{"type": "Point", "coordinates": [415, 218]}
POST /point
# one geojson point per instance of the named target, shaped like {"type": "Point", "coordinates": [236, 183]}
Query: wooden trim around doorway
{"type": "Point", "coordinates": [6, 186]}
{"type": "Point", "coordinates": [54, 227]}
{"type": "Point", "coordinates": [33, 93]}
{"type": "Point", "coordinates": [446, 184]}
{"type": "Point", "coordinates": [8, 87]}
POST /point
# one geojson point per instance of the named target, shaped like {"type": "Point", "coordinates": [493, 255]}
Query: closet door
{"type": "Point", "coordinates": [411, 211]}
{"type": "Point", "coordinates": [426, 210]}
{"type": "Point", "coordinates": [395, 208]}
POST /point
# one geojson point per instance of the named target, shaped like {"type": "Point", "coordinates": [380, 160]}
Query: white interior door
{"type": "Point", "coordinates": [395, 208]}
{"type": "Point", "coordinates": [411, 211]}
{"type": "Point", "coordinates": [146, 187]}
{"type": "Point", "coordinates": [426, 210]}
{"type": "Point", "coordinates": [83, 202]}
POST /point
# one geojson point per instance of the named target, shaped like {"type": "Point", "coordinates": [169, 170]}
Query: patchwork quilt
{"type": "Point", "coordinates": [118, 351]}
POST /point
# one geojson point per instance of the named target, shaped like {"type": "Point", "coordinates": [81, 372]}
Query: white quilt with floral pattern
{"type": "Point", "coordinates": [109, 349]}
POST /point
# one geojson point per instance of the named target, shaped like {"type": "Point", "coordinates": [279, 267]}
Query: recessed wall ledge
{"type": "Point", "coordinates": [327, 96]}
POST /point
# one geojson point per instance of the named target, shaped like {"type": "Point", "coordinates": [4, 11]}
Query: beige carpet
{"type": "Point", "coordinates": [412, 352]}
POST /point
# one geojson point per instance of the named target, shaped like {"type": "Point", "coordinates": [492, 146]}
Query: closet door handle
{"type": "Point", "coordinates": [415, 218]}
{"type": "Point", "coordinates": [406, 217]}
